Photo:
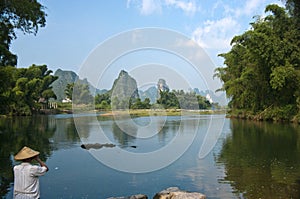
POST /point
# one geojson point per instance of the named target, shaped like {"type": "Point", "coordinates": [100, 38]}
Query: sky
{"type": "Point", "coordinates": [74, 29]}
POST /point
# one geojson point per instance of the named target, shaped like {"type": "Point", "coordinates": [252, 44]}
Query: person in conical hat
{"type": "Point", "coordinates": [26, 175]}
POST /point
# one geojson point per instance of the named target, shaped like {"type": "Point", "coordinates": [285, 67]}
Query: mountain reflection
{"type": "Point", "coordinates": [262, 160]}
{"type": "Point", "coordinates": [127, 134]}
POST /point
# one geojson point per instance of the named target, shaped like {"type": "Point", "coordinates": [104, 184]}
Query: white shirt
{"type": "Point", "coordinates": [26, 183]}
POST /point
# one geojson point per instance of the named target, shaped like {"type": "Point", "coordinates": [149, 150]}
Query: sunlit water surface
{"type": "Point", "coordinates": [248, 160]}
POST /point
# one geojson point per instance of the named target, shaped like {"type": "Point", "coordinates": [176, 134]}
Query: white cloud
{"type": "Point", "coordinates": [220, 5]}
{"type": "Point", "coordinates": [216, 34]}
{"type": "Point", "coordinates": [249, 8]}
{"type": "Point", "coordinates": [188, 7]}
{"type": "Point", "coordinates": [148, 7]}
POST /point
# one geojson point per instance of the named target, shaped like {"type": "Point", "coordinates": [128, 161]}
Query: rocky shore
{"type": "Point", "coordinates": [169, 193]}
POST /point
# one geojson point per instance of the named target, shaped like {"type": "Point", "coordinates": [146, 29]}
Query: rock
{"type": "Point", "coordinates": [138, 196]}
{"type": "Point", "coordinates": [96, 146]}
{"type": "Point", "coordinates": [124, 88]}
{"type": "Point", "coordinates": [176, 193]}
{"type": "Point", "coordinates": [169, 193]}
{"type": "Point", "coordinates": [162, 85]}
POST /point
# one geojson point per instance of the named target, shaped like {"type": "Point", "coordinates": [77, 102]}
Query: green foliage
{"type": "Point", "coordinates": [102, 101]}
{"type": "Point", "coordinates": [283, 113]}
{"type": "Point", "coordinates": [203, 102]}
{"type": "Point", "coordinates": [293, 6]}
{"type": "Point", "coordinates": [262, 68]}
{"type": "Point", "coordinates": [182, 100]}
{"type": "Point", "coordinates": [281, 77]}
{"type": "Point", "coordinates": [69, 91]}
{"type": "Point", "coordinates": [138, 104]}
{"type": "Point", "coordinates": [24, 88]}
{"type": "Point", "coordinates": [25, 15]}
{"type": "Point", "coordinates": [80, 94]}
{"type": "Point", "coordinates": [168, 100]}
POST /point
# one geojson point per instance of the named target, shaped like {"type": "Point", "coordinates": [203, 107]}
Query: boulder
{"type": "Point", "coordinates": [96, 146]}
{"type": "Point", "coordinates": [138, 196]}
{"type": "Point", "coordinates": [176, 193]}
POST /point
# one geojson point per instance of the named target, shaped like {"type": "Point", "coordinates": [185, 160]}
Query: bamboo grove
{"type": "Point", "coordinates": [261, 76]}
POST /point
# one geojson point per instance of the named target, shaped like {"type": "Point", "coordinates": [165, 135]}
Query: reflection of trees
{"type": "Point", "coordinates": [83, 125]}
{"type": "Point", "coordinates": [65, 133]}
{"type": "Point", "coordinates": [262, 160]}
{"type": "Point", "coordinates": [166, 127]}
{"type": "Point", "coordinates": [176, 125]}
{"type": "Point", "coordinates": [121, 136]}
{"type": "Point", "coordinates": [14, 134]}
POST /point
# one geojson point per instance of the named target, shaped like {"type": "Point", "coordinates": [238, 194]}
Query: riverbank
{"type": "Point", "coordinates": [160, 112]}
{"type": "Point", "coordinates": [133, 112]}
{"type": "Point", "coordinates": [264, 116]}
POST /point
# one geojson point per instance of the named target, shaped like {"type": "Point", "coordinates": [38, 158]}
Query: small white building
{"type": "Point", "coordinates": [208, 98]}
{"type": "Point", "coordinates": [66, 100]}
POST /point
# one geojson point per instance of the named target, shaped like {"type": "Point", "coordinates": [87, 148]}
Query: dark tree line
{"type": "Point", "coordinates": [183, 100]}
{"type": "Point", "coordinates": [167, 99]}
{"type": "Point", "coordinates": [262, 76]}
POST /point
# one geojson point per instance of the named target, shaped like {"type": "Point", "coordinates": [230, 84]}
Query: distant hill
{"type": "Point", "coordinates": [59, 85]}
{"type": "Point", "coordinates": [68, 77]}
{"type": "Point", "coordinates": [125, 85]}
{"type": "Point", "coordinates": [150, 93]}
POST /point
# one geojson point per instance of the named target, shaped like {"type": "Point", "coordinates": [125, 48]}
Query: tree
{"type": "Point", "coordinates": [168, 99]}
{"type": "Point", "coordinates": [293, 6]}
{"type": "Point", "coordinates": [262, 68]}
{"type": "Point", "coordinates": [7, 82]}
{"type": "Point", "coordinates": [81, 93]}
{"type": "Point", "coordinates": [25, 15]}
{"type": "Point", "coordinates": [102, 101]}
{"type": "Point", "coordinates": [203, 103]}
{"type": "Point", "coordinates": [99, 98]}
{"type": "Point", "coordinates": [23, 88]}
{"type": "Point", "coordinates": [138, 104]}
{"type": "Point", "coordinates": [146, 103]}
{"type": "Point", "coordinates": [69, 90]}
{"type": "Point", "coordinates": [182, 100]}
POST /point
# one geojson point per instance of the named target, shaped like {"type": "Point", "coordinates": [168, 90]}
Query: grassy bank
{"type": "Point", "coordinates": [160, 112]}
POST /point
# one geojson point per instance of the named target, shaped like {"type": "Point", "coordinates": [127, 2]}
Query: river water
{"type": "Point", "coordinates": [211, 154]}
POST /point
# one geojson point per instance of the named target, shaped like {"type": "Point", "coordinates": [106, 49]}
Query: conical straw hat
{"type": "Point", "coordinates": [26, 153]}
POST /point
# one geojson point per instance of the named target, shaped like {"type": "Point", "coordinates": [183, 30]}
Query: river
{"type": "Point", "coordinates": [211, 154]}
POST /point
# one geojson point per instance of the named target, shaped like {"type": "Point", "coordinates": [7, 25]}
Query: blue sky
{"type": "Point", "coordinates": [75, 28]}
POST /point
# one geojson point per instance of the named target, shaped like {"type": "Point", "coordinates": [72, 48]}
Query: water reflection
{"type": "Point", "coordinates": [127, 137]}
{"type": "Point", "coordinates": [202, 173]}
{"type": "Point", "coordinates": [251, 160]}
{"type": "Point", "coordinates": [16, 133]}
{"type": "Point", "coordinates": [65, 132]}
{"type": "Point", "coordinates": [262, 160]}
{"type": "Point", "coordinates": [123, 138]}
